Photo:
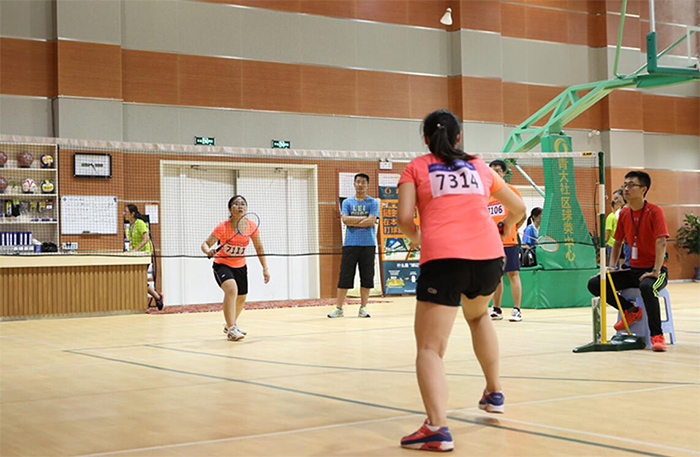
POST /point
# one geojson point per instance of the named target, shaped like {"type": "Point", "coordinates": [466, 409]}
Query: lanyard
{"type": "Point", "coordinates": [639, 224]}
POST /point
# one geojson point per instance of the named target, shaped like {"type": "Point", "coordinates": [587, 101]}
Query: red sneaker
{"type": "Point", "coordinates": [426, 440]}
{"type": "Point", "coordinates": [631, 316]}
{"type": "Point", "coordinates": [658, 343]}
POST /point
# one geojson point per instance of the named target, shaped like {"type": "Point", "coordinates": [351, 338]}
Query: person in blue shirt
{"type": "Point", "coordinates": [359, 214]}
{"type": "Point", "coordinates": [532, 230]}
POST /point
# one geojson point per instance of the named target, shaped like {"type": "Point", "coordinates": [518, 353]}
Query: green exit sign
{"type": "Point", "coordinates": [281, 144]}
{"type": "Point", "coordinates": [204, 140]}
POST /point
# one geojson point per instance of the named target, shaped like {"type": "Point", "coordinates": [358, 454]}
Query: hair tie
{"type": "Point", "coordinates": [440, 126]}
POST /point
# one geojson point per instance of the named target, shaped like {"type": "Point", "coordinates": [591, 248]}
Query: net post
{"type": "Point", "coordinates": [603, 260]}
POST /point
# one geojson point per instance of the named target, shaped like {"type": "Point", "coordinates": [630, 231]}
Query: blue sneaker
{"type": "Point", "coordinates": [425, 439]}
{"type": "Point", "coordinates": [493, 402]}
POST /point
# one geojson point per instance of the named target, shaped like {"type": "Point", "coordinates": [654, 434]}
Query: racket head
{"type": "Point", "coordinates": [248, 225]}
{"type": "Point", "coordinates": [547, 243]}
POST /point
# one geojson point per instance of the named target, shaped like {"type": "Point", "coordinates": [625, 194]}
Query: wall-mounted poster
{"type": "Point", "coordinates": [400, 269]}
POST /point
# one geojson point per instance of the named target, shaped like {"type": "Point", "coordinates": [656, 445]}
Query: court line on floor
{"type": "Point", "coordinates": [582, 397]}
{"type": "Point", "coordinates": [252, 437]}
{"type": "Point", "coordinates": [665, 362]}
{"type": "Point", "coordinates": [375, 421]}
{"type": "Point", "coordinates": [356, 402]}
{"type": "Point", "coordinates": [388, 370]}
{"type": "Point", "coordinates": [261, 338]}
{"type": "Point", "coordinates": [582, 432]}
{"type": "Point", "coordinates": [123, 391]}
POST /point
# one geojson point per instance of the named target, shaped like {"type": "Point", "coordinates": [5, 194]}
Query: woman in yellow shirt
{"type": "Point", "coordinates": [617, 203]}
{"type": "Point", "coordinates": [139, 240]}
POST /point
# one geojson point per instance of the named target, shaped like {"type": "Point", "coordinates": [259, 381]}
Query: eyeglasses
{"type": "Point", "coordinates": [630, 185]}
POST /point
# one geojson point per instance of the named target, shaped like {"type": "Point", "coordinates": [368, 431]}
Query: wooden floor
{"type": "Point", "coordinates": [302, 384]}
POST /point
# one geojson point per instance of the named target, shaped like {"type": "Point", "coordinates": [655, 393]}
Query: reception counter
{"type": "Point", "coordinates": [65, 284]}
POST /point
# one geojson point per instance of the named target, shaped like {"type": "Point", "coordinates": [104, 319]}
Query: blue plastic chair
{"type": "Point", "coordinates": [641, 327]}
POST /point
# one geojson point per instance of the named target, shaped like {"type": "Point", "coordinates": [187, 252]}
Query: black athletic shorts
{"type": "Point", "coordinates": [512, 258]}
{"type": "Point", "coordinates": [443, 281]}
{"type": "Point", "coordinates": [352, 256]}
{"type": "Point", "coordinates": [240, 275]}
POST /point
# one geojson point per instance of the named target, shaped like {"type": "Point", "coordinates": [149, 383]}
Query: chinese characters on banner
{"type": "Point", "coordinates": [400, 273]}
{"type": "Point", "coordinates": [566, 214]}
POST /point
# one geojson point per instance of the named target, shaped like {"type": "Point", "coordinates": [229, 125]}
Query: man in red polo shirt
{"type": "Point", "coordinates": [643, 226]}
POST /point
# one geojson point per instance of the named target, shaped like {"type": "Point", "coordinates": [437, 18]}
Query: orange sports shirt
{"type": "Point", "coordinates": [451, 200]}
{"type": "Point", "coordinates": [233, 252]}
{"type": "Point", "coordinates": [499, 212]}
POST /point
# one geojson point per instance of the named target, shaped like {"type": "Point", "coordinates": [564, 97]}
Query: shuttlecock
{"type": "Point", "coordinates": [447, 17]}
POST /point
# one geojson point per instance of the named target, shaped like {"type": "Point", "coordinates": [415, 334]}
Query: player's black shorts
{"type": "Point", "coordinates": [443, 281]}
{"type": "Point", "coordinates": [240, 275]}
{"type": "Point", "coordinates": [352, 256]}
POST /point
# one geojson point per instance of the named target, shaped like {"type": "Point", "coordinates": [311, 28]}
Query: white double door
{"type": "Point", "coordinates": [194, 201]}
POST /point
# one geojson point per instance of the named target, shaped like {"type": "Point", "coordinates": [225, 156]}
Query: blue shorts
{"type": "Point", "coordinates": [512, 258]}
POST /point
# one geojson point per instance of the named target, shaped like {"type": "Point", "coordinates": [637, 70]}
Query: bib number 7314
{"type": "Point", "coordinates": [458, 178]}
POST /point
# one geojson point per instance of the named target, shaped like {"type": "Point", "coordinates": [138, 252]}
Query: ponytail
{"type": "Point", "coordinates": [441, 129]}
{"type": "Point", "coordinates": [536, 211]}
{"type": "Point", "coordinates": [135, 211]}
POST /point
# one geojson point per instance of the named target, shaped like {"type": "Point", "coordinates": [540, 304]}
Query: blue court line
{"type": "Point", "coordinates": [374, 405]}
{"type": "Point", "coordinates": [388, 370]}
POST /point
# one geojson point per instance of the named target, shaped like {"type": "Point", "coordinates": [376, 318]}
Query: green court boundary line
{"type": "Point", "coordinates": [375, 405]}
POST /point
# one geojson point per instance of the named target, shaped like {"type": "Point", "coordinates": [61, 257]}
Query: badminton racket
{"type": "Point", "coordinates": [248, 226]}
{"type": "Point", "coordinates": [547, 243]}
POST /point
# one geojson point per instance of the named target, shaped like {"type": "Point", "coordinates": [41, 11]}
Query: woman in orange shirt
{"type": "Point", "coordinates": [461, 264]}
{"type": "Point", "coordinates": [230, 269]}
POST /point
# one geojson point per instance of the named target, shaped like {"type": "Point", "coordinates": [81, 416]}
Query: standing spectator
{"type": "Point", "coordinates": [139, 240]}
{"type": "Point", "coordinates": [617, 203]}
{"type": "Point", "coordinates": [510, 246]}
{"type": "Point", "coordinates": [359, 214]}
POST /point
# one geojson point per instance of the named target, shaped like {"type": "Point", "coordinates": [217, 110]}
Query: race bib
{"type": "Point", "coordinates": [458, 178]}
{"type": "Point", "coordinates": [234, 251]}
{"type": "Point", "coordinates": [497, 209]}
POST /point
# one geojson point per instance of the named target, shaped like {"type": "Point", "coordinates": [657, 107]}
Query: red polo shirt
{"type": "Point", "coordinates": [648, 223]}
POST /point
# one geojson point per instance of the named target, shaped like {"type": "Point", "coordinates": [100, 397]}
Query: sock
{"type": "Point", "coordinates": [432, 428]}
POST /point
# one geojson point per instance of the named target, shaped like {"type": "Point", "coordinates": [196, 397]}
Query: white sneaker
{"type": "Point", "coordinates": [363, 312]}
{"type": "Point", "coordinates": [516, 315]}
{"type": "Point", "coordinates": [234, 334]}
{"type": "Point", "coordinates": [239, 329]}
{"type": "Point", "coordinates": [337, 312]}
{"type": "Point", "coordinates": [496, 315]}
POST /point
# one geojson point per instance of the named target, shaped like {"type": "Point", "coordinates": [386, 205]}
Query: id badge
{"type": "Point", "coordinates": [634, 252]}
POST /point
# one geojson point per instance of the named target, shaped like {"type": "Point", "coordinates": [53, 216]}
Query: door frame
{"type": "Point", "coordinates": [315, 272]}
